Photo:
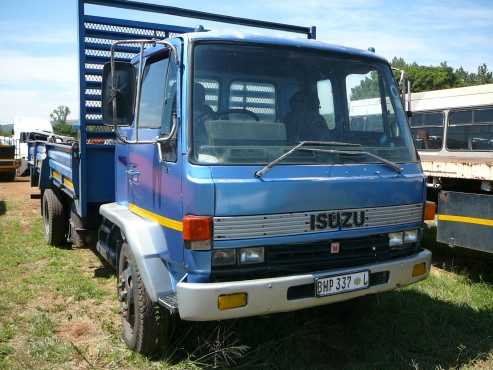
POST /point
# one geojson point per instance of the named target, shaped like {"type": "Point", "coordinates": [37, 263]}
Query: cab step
{"type": "Point", "coordinates": [169, 302]}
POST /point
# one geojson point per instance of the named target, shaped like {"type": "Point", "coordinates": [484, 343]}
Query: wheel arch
{"type": "Point", "coordinates": [148, 244]}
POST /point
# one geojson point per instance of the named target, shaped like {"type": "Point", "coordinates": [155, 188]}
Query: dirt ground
{"type": "Point", "coordinates": [19, 191]}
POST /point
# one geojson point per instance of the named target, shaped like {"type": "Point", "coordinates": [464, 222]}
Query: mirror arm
{"type": "Point", "coordinates": [168, 137]}
{"type": "Point", "coordinates": [405, 85]}
{"type": "Point", "coordinates": [139, 85]}
{"type": "Point", "coordinates": [172, 131]}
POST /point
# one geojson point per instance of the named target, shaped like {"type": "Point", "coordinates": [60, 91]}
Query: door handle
{"type": "Point", "coordinates": [133, 175]}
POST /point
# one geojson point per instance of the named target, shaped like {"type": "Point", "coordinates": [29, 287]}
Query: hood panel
{"type": "Point", "coordinates": [289, 188]}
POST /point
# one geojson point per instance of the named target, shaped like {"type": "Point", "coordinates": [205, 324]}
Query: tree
{"type": "Point", "coordinates": [59, 115]}
{"type": "Point", "coordinates": [443, 76]}
{"type": "Point", "coordinates": [6, 130]}
{"type": "Point", "coordinates": [368, 88]}
{"type": "Point", "coordinates": [59, 121]}
{"type": "Point", "coordinates": [484, 76]}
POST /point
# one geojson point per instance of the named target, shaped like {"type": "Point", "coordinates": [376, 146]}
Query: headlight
{"type": "Point", "coordinates": [395, 239]}
{"type": "Point", "coordinates": [251, 255]}
{"type": "Point", "coordinates": [223, 257]}
{"type": "Point", "coordinates": [411, 236]}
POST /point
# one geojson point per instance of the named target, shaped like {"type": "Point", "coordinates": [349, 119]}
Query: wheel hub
{"type": "Point", "coordinates": [126, 294]}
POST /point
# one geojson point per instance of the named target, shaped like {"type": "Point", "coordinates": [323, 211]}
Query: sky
{"type": "Point", "coordinates": [38, 38]}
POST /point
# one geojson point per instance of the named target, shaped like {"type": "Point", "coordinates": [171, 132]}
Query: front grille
{"type": "Point", "coordinates": [282, 224]}
{"type": "Point", "coordinates": [294, 259]}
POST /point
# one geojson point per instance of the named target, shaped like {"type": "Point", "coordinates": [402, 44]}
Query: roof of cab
{"type": "Point", "coordinates": [290, 41]}
{"type": "Point", "coordinates": [238, 36]}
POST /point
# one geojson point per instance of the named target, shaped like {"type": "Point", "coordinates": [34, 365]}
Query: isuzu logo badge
{"type": "Point", "coordinates": [335, 247]}
{"type": "Point", "coordinates": [337, 220]}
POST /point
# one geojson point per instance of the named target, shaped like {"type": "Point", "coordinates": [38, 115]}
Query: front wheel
{"type": "Point", "coordinates": [147, 327]}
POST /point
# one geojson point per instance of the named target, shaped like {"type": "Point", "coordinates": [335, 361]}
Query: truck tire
{"type": "Point", "coordinates": [146, 327]}
{"type": "Point", "coordinates": [55, 223]}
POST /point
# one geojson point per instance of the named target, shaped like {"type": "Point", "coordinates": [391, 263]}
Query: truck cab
{"type": "Point", "coordinates": [273, 192]}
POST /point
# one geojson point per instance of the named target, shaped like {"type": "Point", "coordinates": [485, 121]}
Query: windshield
{"type": "Point", "coordinates": [251, 104]}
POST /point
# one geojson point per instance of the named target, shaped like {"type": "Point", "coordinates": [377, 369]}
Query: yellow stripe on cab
{"type": "Point", "coordinates": [164, 221]}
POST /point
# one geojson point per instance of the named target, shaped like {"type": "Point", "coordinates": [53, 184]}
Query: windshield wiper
{"type": "Point", "coordinates": [390, 164]}
{"type": "Point", "coordinates": [271, 164]}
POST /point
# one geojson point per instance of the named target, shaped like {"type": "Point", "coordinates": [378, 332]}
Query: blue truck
{"type": "Point", "coordinates": [226, 175]}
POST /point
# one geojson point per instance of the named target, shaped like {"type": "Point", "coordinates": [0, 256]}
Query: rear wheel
{"type": "Point", "coordinates": [55, 223]}
{"type": "Point", "coordinates": [147, 327]}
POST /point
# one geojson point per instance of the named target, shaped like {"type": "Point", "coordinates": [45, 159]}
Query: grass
{"type": "Point", "coordinates": [58, 310]}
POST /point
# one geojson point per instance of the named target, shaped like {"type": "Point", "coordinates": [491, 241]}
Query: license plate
{"type": "Point", "coordinates": [336, 284]}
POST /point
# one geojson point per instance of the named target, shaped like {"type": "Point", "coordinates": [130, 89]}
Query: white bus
{"type": "Point", "coordinates": [453, 133]}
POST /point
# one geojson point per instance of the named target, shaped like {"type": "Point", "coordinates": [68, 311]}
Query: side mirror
{"type": "Point", "coordinates": [118, 93]}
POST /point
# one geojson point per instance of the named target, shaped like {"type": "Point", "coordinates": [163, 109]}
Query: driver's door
{"type": "Point", "coordinates": [151, 181]}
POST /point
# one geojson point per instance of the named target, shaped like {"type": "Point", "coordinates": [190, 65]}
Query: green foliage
{"type": "Point", "coordinates": [425, 78]}
{"type": "Point", "coordinates": [59, 115]}
{"type": "Point", "coordinates": [58, 119]}
{"type": "Point", "coordinates": [63, 129]}
{"type": "Point", "coordinates": [443, 76]}
{"type": "Point", "coordinates": [367, 89]}
{"type": "Point", "coordinates": [6, 130]}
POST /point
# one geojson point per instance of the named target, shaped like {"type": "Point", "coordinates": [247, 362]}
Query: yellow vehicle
{"type": "Point", "coordinates": [8, 163]}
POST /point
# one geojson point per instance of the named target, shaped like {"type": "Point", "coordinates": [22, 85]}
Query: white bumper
{"type": "Point", "coordinates": [199, 301]}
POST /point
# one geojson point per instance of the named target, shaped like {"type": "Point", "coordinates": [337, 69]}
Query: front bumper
{"type": "Point", "coordinates": [199, 301]}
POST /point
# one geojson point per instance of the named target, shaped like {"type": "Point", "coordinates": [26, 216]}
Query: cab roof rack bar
{"type": "Point", "coordinates": [311, 32]}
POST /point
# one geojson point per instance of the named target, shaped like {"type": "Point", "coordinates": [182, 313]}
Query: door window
{"type": "Point", "coordinates": [152, 95]}
{"type": "Point", "coordinates": [169, 108]}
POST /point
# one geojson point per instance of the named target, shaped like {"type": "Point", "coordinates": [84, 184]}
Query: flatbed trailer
{"type": "Point", "coordinates": [223, 175]}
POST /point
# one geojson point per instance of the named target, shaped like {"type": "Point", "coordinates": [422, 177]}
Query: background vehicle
{"type": "Point", "coordinates": [232, 179]}
{"type": "Point", "coordinates": [8, 160]}
{"type": "Point", "coordinates": [14, 149]}
{"type": "Point", "coordinates": [25, 129]}
{"type": "Point", "coordinates": [453, 132]}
